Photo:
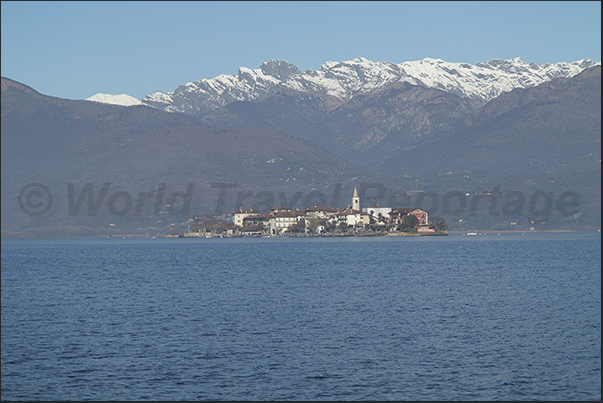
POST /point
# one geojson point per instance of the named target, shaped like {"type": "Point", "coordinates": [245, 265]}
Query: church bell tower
{"type": "Point", "coordinates": [355, 200]}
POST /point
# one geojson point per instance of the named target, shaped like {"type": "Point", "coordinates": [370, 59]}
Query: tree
{"type": "Point", "coordinates": [343, 226]}
{"type": "Point", "coordinates": [330, 226]}
{"type": "Point", "coordinates": [408, 222]}
{"type": "Point", "coordinates": [299, 226]}
{"type": "Point", "coordinates": [439, 224]}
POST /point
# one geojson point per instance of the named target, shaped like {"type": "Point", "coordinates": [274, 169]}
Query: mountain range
{"type": "Point", "coordinates": [411, 128]}
{"type": "Point", "coordinates": [337, 82]}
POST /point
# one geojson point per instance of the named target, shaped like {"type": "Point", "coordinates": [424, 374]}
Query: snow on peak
{"type": "Point", "coordinates": [121, 99]}
{"type": "Point", "coordinates": [480, 82]}
{"type": "Point", "coordinates": [279, 69]}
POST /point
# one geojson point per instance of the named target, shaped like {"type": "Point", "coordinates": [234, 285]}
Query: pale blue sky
{"type": "Point", "coordinates": [77, 49]}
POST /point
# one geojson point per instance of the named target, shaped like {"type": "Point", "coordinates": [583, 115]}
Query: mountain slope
{"type": "Point", "coordinates": [404, 134]}
{"type": "Point", "coordinates": [359, 109]}
{"type": "Point", "coordinates": [55, 142]}
{"type": "Point", "coordinates": [554, 126]}
{"type": "Point", "coordinates": [544, 140]}
{"type": "Point", "coordinates": [370, 125]}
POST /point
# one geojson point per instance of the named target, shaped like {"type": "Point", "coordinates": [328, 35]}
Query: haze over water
{"type": "Point", "coordinates": [510, 317]}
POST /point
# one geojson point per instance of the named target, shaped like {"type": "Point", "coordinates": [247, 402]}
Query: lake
{"type": "Point", "coordinates": [493, 317]}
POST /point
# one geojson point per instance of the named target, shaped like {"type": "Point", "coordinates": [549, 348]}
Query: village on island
{"type": "Point", "coordinates": [320, 221]}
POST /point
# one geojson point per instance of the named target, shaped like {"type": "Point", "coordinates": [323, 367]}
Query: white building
{"type": "Point", "coordinates": [238, 216]}
{"type": "Point", "coordinates": [321, 212]}
{"type": "Point", "coordinates": [353, 217]}
{"type": "Point", "coordinates": [378, 212]}
{"type": "Point", "coordinates": [280, 222]}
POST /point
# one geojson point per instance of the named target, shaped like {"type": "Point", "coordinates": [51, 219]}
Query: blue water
{"type": "Point", "coordinates": [510, 317]}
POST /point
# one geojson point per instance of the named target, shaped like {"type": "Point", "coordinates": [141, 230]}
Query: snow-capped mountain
{"type": "Point", "coordinates": [479, 83]}
{"type": "Point", "coordinates": [122, 99]}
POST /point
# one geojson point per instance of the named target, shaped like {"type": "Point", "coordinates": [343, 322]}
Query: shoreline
{"type": "Point", "coordinates": [456, 232]}
{"type": "Point", "coordinates": [489, 231]}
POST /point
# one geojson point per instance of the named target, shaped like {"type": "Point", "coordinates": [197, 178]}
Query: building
{"type": "Point", "coordinates": [280, 222]}
{"type": "Point", "coordinates": [321, 212]}
{"type": "Point", "coordinates": [280, 210]}
{"type": "Point", "coordinates": [238, 216]}
{"type": "Point", "coordinates": [317, 218]}
{"type": "Point", "coordinates": [261, 220]}
{"type": "Point", "coordinates": [355, 200]}
{"type": "Point", "coordinates": [378, 213]}
{"type": "Point", "coordinates": [353, 217]}
{"type": "Point", "coordinates": [425, 228]}
{"type": "Point", "coordinates": [397, 215]}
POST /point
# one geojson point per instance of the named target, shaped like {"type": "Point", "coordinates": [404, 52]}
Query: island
{"type": "Point", "coordinates": [319, 221]}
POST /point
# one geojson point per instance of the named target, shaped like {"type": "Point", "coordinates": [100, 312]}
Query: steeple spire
{"type": "Point", "coordinates": [355, 200]}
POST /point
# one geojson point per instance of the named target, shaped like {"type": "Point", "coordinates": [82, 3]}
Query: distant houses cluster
{"type": "Point", "coordinates": [319, 220]}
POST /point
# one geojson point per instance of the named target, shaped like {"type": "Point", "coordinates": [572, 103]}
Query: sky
{"type": "Point", "coordinates": [76, 49]}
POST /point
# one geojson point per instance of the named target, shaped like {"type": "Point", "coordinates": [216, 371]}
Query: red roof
{"type": "Point", "coordinates": [403, 211]}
